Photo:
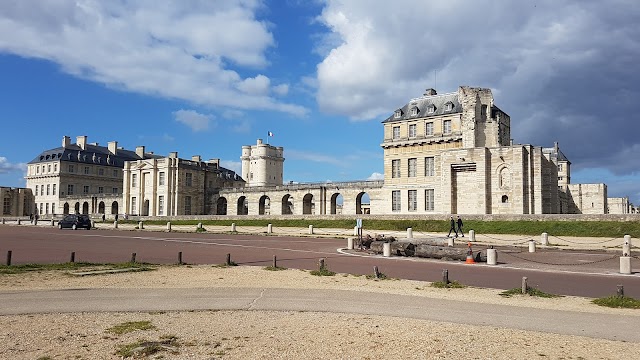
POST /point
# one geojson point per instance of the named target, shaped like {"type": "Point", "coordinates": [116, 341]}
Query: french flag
{"type": "Point", "coordinates": [269, 133]}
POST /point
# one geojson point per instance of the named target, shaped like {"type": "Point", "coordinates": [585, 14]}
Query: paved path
{"type": "Point", "coordinates": [613, 327]}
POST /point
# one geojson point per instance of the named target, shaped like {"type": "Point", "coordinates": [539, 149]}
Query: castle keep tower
{"type": "Point", "coordinates": [262, 164]}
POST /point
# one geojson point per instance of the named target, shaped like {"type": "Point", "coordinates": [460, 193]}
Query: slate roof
{"type": "Point", "coordinates": [92, 154]}
{"type": "Point", "coordinates": [423, 103]}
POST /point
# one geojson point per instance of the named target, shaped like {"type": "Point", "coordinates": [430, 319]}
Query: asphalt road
{"type": "Point", "coordinates": [583, 273]}
{"type": "Point", "coordinates": [603, 326]}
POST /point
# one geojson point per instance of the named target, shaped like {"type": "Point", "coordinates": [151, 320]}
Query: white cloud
{"type": "Point", "coordinates": [188, 50]}
{"type": "Point", "coordinates": [376, 176]}
{"type": "Point", "coordinates": [281, 90]}
{"type": "Point", "coordinates": [258, 85]}
{"type": "Point", "coordinates": [193, 119]}
{"type": "Point", "coordinates": [7, 167]}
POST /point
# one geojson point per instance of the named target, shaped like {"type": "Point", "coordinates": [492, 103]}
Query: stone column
{"type": "Point", "coordinates": [625, 265]}
{"type": "Point", "coordinates": [492, 256]}
{"type": "Point", "coordinates": [472, 235]}
{"type": "Point", "coordinates": [386, 249]}
{"type": "Point", "coordinates": [409, 233]}
{"type": "Point", "coordinates": [544, 239]}
{"type": "Point", "coordinates": [532, 246]}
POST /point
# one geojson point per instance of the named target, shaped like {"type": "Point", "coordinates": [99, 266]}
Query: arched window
{"type": "Point", "coordinates": [505, 199]}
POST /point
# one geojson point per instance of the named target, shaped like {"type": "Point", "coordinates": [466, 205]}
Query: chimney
{"type": "Point", "coordinates": [259, 141]}
{"type": "Point", "coordinates": [214, 162]}
{"type": "Point", "coordinates": [113, 147]}
{"type": "Point", "coordinates": [430, 92]}
{"type": "Point", "coordinates": [556, 147]}
{"type": "Point", "coordinates": [82, 142]}
{"type": "Point", "coordinates": [66, 141]}
{"type": "Point", "coordinates": [140, 151]}
{"type": "Point", "coordinates": [196, 158]}
{"type": "Point", "coordinates": [173, 155]}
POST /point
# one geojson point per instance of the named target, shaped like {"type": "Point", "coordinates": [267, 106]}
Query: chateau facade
{"type": "Point", "coordinates": [443, 154]}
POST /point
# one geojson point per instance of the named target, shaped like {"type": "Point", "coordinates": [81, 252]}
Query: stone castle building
{"type": "Point", "coordinates": [443, 154]}
{"type": "Point", "coordinates": [17, 202]}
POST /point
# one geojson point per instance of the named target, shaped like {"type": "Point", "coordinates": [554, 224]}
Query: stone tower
{"type": "Point", "coordinates": [262, 164]}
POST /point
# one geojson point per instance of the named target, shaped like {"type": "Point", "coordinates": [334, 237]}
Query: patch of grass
{"type": "Point", "coordinates": [45, 358]}
{"type": "Point", "coordinates": [130, 326]}
{"type": "Point", "coordinates": [530, 291]}
{"type": "Point", "coordinates": [69, 266]}
{"type": "Point", "coordinates": [144, 348]}
{"type": "Point", "coordinates": [274, 268]}
{"type": "Point", "coordinates": [618, 302]}
{"type": "Point", "coordinates": [450, 285]}
{"type": "Point", "coordinates": [199, 230]}
{"type": "Point", "coordinates": [381, 276]}
{"type": "Point", "coordinates": [322, 272]}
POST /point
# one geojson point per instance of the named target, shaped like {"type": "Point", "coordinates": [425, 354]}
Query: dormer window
{"type": "Point", "coordinates": [431, 109]}
{"type": "Point", "coordinates": [414, 111]}
{"type": "Point", "coordinates": [397, 114]}
{"type": "Point", "coordinates": [448, 106]}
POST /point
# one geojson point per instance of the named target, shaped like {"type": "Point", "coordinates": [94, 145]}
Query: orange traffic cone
{"type": "Point", "coordinates": [469, 255]}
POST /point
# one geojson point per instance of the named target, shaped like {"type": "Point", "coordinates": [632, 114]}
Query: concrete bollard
{"type": "Point", "coordinates": [115, 224]}
{"type": "Point", "coordinates": [18, 221]}
{"type": "Point", "coordinates": [525, 287]}
{"type": "Point", "coordinates": [93, 224]}
{"type": "Point", "coordinates": [409, 233]}
{"type": "Point", "coordinates": [626, 246]}
{"type": "Point", "coordinates": [532, 246]}
{"type": "Point", "coordinates": [53, 222]}
{"type": "Point", "coordinates": [233, 227]}
{"type": "Point", "coordinates": [386, 249]}
{"type": "Point", "coordinates": [350, 243]}
{"type": "Point", "coordinates": [544, 239]}
{"type": "Point", "coordinates": [140, 225]}
{"type": "Point", "coordinates": [492, 256]}
{"type": "Point", "coordinates": [269, 229]}
{"type": "Point", "coordinates": [355, 231]}
{"type": "Point", "coordinates": [199, 225]}
{"type": "Point", "coordinates": [450, 242]}
{"type": "Point", "coordinates": [472, 235]}
{"type": "Point", "coordinates": [2, 221]}
{"type": "Point", "coordinates": [310, 229]}
{"type": "Point", "coordinates": [169, 226]}
{"type": "Point", "coordinates": [627, 239]}
{"type": "Point", "coordinates": [625, 265]}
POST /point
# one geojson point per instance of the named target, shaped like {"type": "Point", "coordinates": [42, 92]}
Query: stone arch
{"type": "Point", "coordinates": [505, 199]}
{"type": "Point", "coordinates": [221, 206]}
{"type": "Point", "coordinates": [85, 208]}
{"type": "Point", "coordinates": [307, 204]}
{"type": "Point", "coordinates": [65, 209]}
{"type": "Point", "coordinates": [101, 207]}
{"type": "Point", "coordinates": [243, 206]}
{"type": "Point", "coordinates": [264, 205]}
{"type": "Point", "coordinates": [337, 202]}
{"type": "Point", "coordinates": [363, 203]}
{"type": "Point", "coordinates": [504, 177]}
{"type": "Point", "coordinates": [77, 208]}
{"type": "Point", "coordinates": [287, 205]}
{"type": "Point", "coordinates": [114, 208]}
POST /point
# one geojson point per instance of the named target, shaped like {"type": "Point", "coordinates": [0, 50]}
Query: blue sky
{"type": "Point", "coordinates": [207, 77]}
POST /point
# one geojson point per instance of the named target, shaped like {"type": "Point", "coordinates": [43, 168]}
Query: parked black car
{"type": "Point", "coordinates": [74, 222]}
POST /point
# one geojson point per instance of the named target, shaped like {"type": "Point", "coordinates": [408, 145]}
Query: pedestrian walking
{"type": "Point", "coordinates": [453, 227]}
{"type": "Point", "coordinates": [460, 226]}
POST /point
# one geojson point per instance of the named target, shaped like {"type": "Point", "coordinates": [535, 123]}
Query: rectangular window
{"type": "Point", "coordinates": [86, 170]}
{"type": "Point", "coordinates": [54, 189]}
{"type": "Point", "coordinates": [69, 189]}
{"type": "Point", "coordinates": [413, 200]}
{"type": "Point", "coordinates": [115, 173]}
{"type": "Point", "coordinates": [46, 207]}
{"type": "Point", "coordinates": [48, 188]}
{"type": "Point", "coordinates": [71, 169]}
{"type": "Point", "coordinates": [188, 179]}
{"type": "Point", "coordinates": [114, 190]}
{"type": "Point", "coordinates": [413, 167]}
{"type": "Point", "coordinates": [53, 208]}
{"type": "Point", "coordinates": [395, 168]}
{"type": "Point", "coordinates": [429, 166]}
{"type": "Point", "coordinates": [413, 130]}
{"type": "Point", "coordinates": [55, 167]}
{"type": "Point", "coordinates": [49, 168]}
{"type": "Point", "coordinates": [396, 132]}
{"type": "Point", "coordinates": [559, 167]}
{"type": "Point", "coordinates": [395, 200]}
{"type": "Point", "coordinates": [160, 205]}
{"type": "Point", "coordinates": [85, 189]}
{"type": "Point", "coordinates": [100, 189]}
{"type": "Point", "coordinates": [101, 172]}
{"type": "Point", "coordinates": [37, 169]}
{"type": "Point", "coordinates": [36, 190]}
{"type": "Point", "coordinates": [41, 208]}
{"type": "Point", "coordinates": [6, 206]}
{"type": "Point", "coordinates": [428, 129]}
{"type": "Point", "coordinates": [134, 180]}
{"type": "Point", "coordinates": [187, 205]}
{"type": "Point", "coordinates": [447, 127]}
{"type": "Point", "coordinates": [429, 200]}
{"type": "Point", "coordinates": [134, 206]}
{"type": "Point", "coordinates": [161, 178]}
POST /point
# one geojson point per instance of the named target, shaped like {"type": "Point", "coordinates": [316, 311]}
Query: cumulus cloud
{"type": "Point", "coordinates": [187, 50]}
{"type": "Point", "coordinates": [376, 176]}
{"type": "Point", "coordinates": [563, 71]}
{"type": "Point", "coordinates": [193, 119]}
{"type": "Point", "coordinates": [7, 167]}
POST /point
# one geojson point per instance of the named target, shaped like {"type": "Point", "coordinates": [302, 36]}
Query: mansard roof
{"type": "Point", "coordinates": [423, 104]}
{"type": "Point", "coordinates": [92, 154]}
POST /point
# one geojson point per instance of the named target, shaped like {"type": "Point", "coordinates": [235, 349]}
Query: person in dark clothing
{"type": "Point", "coordinates": [116, 217]}
{"type": "Point", "coordinates": [460, 226]}
{"type": "Point", "coordinates": [453, 227]}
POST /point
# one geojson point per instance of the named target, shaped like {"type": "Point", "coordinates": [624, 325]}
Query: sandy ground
{"type": "Point", "coordinates": [286, 335]}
